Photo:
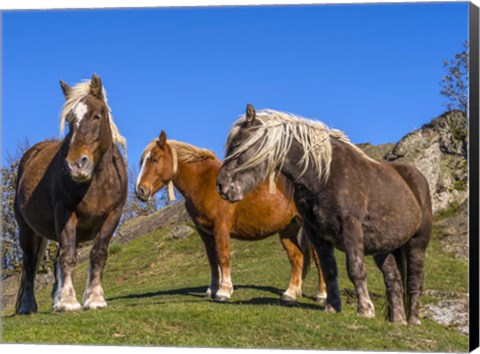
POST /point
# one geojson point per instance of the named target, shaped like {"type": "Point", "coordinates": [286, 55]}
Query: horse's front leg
{"type": "Point", "coordinates": [328, 265]}
{"type": "Point", "coordinates": [222, 243]}
{"type": "Point", "coordinates": [355, 254]}
{"type": "Point", "coordinates": [64, 298]}
{"type": "Point", "coordinates": [93, 297]}
{"type": "Point", "coordinates": [288, 238]}
{"type": "Point", "coordinates": [210, 248]}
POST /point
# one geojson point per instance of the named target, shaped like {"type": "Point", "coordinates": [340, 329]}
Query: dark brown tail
{"type": "Point", "coordinates": [306, 248]}
{"type": "Point", "coordinates": [40, 245]}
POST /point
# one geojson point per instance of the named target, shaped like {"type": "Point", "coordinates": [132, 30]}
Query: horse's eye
{"type": "Point", "coordinates": [97, 116]}
{"type": "Point", "coordinates": [154, 160]}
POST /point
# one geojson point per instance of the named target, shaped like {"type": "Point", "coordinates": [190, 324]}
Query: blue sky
{"type": "Point", "coordinates": [372, 70]}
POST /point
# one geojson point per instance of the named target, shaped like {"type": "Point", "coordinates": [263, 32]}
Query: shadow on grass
{"type": "Point", "coordinates": [199, 292]}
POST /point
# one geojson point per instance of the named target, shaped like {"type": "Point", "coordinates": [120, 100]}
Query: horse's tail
{"type": "Point", "coordinates": [40, 246]}
{"type": "Point", "coordinates": [401, 260]}
{"type": "Point", "coordinates": [306, 248]}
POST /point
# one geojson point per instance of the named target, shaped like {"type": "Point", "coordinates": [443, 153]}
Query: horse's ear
{"type": "Point", "coordinates": [162, 140]}
{"type": "Point", "coordinates": [250, 114]}
{"type": "Point", "coordinates": [65, 88]}
{"type": "Point", "coordinates": [96, 86]}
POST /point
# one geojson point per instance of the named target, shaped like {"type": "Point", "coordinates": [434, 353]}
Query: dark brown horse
{"type": "Point", "coordinates": [347, 200]}
{"type": "Point", "coordinates": [194, 172]}
{"type": "Point", "coordinates": [71, 191]}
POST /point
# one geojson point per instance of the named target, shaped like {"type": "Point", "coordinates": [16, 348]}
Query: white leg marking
{"type": "Point", "coordinates": [64, 298]}
{"type": "Point", "coordinates": [93, 297]}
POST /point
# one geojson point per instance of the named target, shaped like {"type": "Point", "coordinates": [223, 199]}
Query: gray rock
{"type": "Point", "coordinates": [142, 225]}
{"type": "Point", "coordinates": [181, 231]}
{"type": "Point", "coordinates": [450, 313]}
{"type": "Point", "coordinates": [439, 150]}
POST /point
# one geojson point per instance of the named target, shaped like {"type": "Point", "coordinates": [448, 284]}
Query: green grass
{"type": "Point", "coordinates": [155, 292]}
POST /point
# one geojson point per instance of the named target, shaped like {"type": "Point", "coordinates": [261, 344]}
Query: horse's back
{"type": "Point", "coordinates": [37, 158]}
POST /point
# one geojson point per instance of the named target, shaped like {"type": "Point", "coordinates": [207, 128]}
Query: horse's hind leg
{"type": "Point", "coordinates": [415, 252]}
{"type": "Point", "coordinates": [222, 243]}
{"type": "Point", "coordinates": [394, 287]}
{"type": "Point", "coordinates": [322, 288]}
{"type": "Point", "coordinates": [288, 238]}
{"type": "Point", "coordinates": [209, 243]}
{"type": "Point", "coordinates": [33, 247]}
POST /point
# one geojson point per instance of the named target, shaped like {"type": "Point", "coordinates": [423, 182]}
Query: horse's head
{"type": "Point", "coordinates": [88, 116]}
{"type": "Point", "coordinates": [242, 168]}
{"type": "Point", "coordinates": [157, 168]}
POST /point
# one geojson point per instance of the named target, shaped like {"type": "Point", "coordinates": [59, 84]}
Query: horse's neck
{"type": "Point", "coordinates": [192, 177]}
{"type": "Point", "coordinates": [292, 170]}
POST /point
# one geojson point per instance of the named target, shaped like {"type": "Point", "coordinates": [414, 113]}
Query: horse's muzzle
{"type": "Point", "coordinates": [80, 170]}
{"type": "Point", "coordinates": [230, 192]}
{"type": "Point", "coordinates": [143, 193]}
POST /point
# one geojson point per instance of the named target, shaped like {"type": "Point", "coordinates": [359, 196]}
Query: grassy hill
{"type": "Point", "coordinates": [155, 284]}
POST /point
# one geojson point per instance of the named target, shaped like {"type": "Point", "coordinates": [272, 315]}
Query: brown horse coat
{"type": "Point", "coordinates": [71, 191]}
{"type": "Point", "coordinates": [261, 214]}
{"type": "Point", "coordinates": [347, 200]}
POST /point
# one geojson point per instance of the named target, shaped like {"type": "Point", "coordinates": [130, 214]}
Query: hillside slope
{"type": "Point", "coordinates": [157, 274]}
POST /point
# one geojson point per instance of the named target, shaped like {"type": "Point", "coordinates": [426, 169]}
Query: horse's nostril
{"type": "Point", "coordinates": [83, 161]}
{"type": "Point", "coordinates": [143, 193]}
{"type": "Point", "coordinates": [219, 188]}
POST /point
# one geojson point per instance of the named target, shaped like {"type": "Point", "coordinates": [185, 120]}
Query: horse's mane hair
{"type": "Point", "coordinates": [275, 133]}
{"type": "Point", "coordinates": [78, 93]}
{"type": "Point", "coordinates": [185, 152]}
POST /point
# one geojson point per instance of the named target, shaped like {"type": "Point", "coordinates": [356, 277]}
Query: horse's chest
{"type": "Point", "coordinates": [202, 221]}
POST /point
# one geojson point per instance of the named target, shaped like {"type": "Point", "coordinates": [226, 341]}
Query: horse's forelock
{"type": "Point", "coordinates": [274, 135]}
{"type": "Point", "coordinates": [76, 95]}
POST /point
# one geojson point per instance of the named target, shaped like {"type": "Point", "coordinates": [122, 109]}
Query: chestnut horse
{"type": "Point", "coordinates": [194, 172]}
{"type": "Point", "coordinates": [71, 191]}
{"type": "Point", "coordinates": [347, 200]}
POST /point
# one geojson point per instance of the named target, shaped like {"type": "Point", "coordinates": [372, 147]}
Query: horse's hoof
{"type": "Point", "coordinates": [288, 298]}
{"type": "Point", "coordinates": [367, 313]}
{"type": "Point", "coordinates": [95, 305]}
{"type": "Point", "coordinates": [221, 298]}
{"type": "Point", "coordinates": [64, 307]}
{"type": "Point", "coordinates": [321, 302]}
{"type": "Point", "coordinates": [26, 310]}
{"type": "Point", "coordinates": [414, 321]}
{"type": "Point", "coordinates": [321, 299]}
{"type": "Point", "coordinates": [330, 309]}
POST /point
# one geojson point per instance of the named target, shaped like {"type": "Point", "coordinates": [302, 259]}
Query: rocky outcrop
{"type": "Point", "coordinates": [142, 225]}
{"type": "Point", "coordinates": [376, 152]}
{"type": "Point", "coordinates": [439, 150]}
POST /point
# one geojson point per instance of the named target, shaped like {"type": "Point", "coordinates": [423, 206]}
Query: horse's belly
{"type": "Point", "coordinates": [37, 211]}
{"type": "Point", "coordinates": [384, 237]}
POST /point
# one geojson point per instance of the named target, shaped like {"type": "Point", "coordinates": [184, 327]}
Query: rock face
{"type": "Point", "coordinates": [439, 150]}
{"type": "Point", "coordinates": [142, 225]}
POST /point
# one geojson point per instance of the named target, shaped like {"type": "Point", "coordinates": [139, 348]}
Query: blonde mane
{"type": "Point", "coordinates": [275, 135]}
{"type": "Point", "coordinates": [184, 152]}
{"type": "Point", "coordinates": [76, 94]}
